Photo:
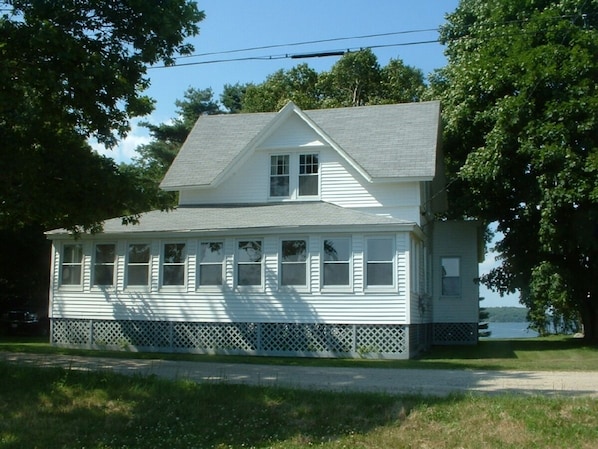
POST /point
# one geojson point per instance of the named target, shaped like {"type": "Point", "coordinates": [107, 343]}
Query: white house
{"type": "Point", "coordinates": [297, 233]}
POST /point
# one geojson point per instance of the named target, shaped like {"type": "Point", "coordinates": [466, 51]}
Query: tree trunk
{"type": "Point", "coordinates": [589, 319]}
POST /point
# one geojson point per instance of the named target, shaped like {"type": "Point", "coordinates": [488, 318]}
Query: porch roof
{"type": "Point", "coordinates": [238, 217]}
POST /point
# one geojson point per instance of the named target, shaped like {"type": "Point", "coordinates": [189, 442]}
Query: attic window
{"type": "Point", "coordinates": [294, 175]}
{"type": "Point", "coordinates": [279, 175]}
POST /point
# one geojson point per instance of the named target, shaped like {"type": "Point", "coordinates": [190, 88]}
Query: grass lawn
{"type": "Point", "coordinates": [54, 408]}
{"type": "Point", "coordinates": [543, 354]}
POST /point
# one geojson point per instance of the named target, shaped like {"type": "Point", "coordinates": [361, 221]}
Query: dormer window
{"type": "Point", "coordinates": [294, 175]}
{"type": "Point", "coordinates": [279, 176]}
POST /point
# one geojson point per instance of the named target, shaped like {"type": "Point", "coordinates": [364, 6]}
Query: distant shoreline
{"type": "Point", "coordinates": [505, 314]}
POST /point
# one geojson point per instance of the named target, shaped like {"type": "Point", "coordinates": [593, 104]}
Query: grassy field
{"type": "Point", "coordinates": [543, 354]}
{"type": "Point", "coordinates": [53, 408]}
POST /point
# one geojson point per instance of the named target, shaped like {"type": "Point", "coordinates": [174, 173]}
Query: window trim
{"type": "Point", "coordinates": [288, 175]}
{"type": "Point", "coordinates": [392, 262]}
{"type": "Point", "coordinates": [184, 264]}
{"type": "Point", "coordinates": [128, 264]}
{"type": "Point", "coordinates": [336, 287]}
{"type": "Point", "coordinates": [294, 287]}
{"type": "Point", "coordinates": [237, 263]}
{"type": "Point", "coordinates": [81, 264]}
{"type": "Point", "coordinates": [294, 175]}
{"type": "Point", "coordinates": [114, 265]}
{"type": "Point", "coordinates": [460, 277]}
{"type": "Point", "coordinates": [214, 287]}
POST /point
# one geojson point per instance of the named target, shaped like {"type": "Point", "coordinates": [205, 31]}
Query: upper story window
{"type": "Point", "coordinates": [211, 258]}
{"type": "Point", "coordinates": [308, 175]}
{"type": "Point", "coordinates": [337, 262]}
{"type": "Point", "coordinates": [294, 175]}
{"type": "Point", "coordinates": [279, 175]}
{"type": "Point", "coordinates": [249, 262]}
{"type": "Point", "coordinates": [379, 261]}
{"type": "Point", "coordinates": [72, 264]}
{"type": "Point", "coordinates": [293, 263]}
{"type": "Point", "coordinates": [451, 276]}
{"type": "Point", "coordinates": [173, 264]}
{"type": "Point", "coordinates": [138, 261]}
{"type": "Point", "coordinates": [103, 266]}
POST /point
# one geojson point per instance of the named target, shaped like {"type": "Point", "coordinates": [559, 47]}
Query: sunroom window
{"type": "Point", "coordinates": [138, 259]}
{"type": "Point", "coordinates": [379, 261]}
{"type": "Point", "coordinates": [293, 264]}
{"type": "Point", "coordinates": [103, 268]}
{"type": "Point", "coordinates": [211, 258]}
{"type": "Point", "coordinates": [337, 258]}
{"type": "Point", "coordinates": [173, 265]}
{"type": "Point", "coordinates": [249, 262]}
{"type": "Point", "coordinates": [72, 263]}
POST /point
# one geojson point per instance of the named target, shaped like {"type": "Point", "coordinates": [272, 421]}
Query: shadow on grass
{"type": "Point", "coordinates": [65, 408]}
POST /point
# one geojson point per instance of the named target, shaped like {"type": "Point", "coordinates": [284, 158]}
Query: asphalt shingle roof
{"type": "Point", "coordinates": [235, 217]}
{"type": "Point", "coordinates": [386, 141]}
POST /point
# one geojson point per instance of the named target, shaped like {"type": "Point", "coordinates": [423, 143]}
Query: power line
{"type": "Point", "coordinates": [324, 53]}
{"type": "Point", "coordinates": [319, 41]}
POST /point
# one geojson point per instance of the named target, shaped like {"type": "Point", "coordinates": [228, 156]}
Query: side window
{"type": "Point", "coordinates": [103, 266]}
{"type": "Point", "coordinates": [173, 264]}
{"type": "Point", "coordinates": [138, 258]}
{"type": "Point", "coordinates": [211, 258]}
{"type": "Point", "coordinates": [451, 276]}
{"type": "Point", "coordinates": [249, 262]}
{"type": "Point", "coordinates": [72, 265]}
{"type": "Point", "coordinates": [337, 258]}
{"type": "Point", "coordinates": [293, 263]}
{"type": "Point", "coordinates": [308, 175]}
{"type": "Point", "coordinates": [279, 176]}
{"type": "Point", "coordinates": [379, 261]}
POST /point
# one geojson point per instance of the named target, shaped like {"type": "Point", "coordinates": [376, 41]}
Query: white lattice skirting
{"type": "Point", "coordinates": [313, 340]}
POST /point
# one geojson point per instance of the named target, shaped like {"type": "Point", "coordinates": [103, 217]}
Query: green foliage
{"type": "Point", "coordinates": [72, 70]}
{"type": "Point", "coordinates": [355, 80]}
{"type": "Point", "coordinates": [507, 314]}
{"type": "Point", "coordinates": [521, 111]}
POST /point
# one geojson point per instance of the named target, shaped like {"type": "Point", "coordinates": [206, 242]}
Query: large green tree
{"type": "Point", "coordinates": [356, 79]}
{"type": "Point", "coordinates": [154, 158]}
{"type": "Point", "coordinates": [520, 102]}
{"type": "Point", "coordinates": [73, 70]}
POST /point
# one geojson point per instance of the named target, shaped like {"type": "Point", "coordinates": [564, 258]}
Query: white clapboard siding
{"type": "Point", "coordinates": [268, 304]}
{"type": "Point", "coordinates": [292, 133]}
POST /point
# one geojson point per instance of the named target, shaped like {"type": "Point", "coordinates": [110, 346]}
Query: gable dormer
{"type": "Point", "coordinates": [347, 156]}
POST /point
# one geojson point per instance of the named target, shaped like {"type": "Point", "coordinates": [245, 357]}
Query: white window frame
{"type": "Point", "coordinates": [201, 264]}
{"type": "Point", "coordinates": [392, 262]}
{"type": "Point", "coordinates": [183, 264]}
{"type": "Point", "coordinates": [282, 263]}
{"type": "Point", "coordinates": [294, 176]}
{"type": "Point", "coordinates": [238, 262]}
{"type": "Point", "coordinates": [129, 264]}
{"type": "Point", "coordinates": [459, 282]}
{"type": "Point", "coordinates": [324, 262]}
{"type": "Point", "coordinates": [63, 265]}
{"type": "Point", "coordinates": [112, 265]}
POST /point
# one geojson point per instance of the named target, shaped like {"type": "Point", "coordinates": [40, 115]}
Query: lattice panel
{"type": "Point", "coordinates": [455, 333]}
{"type": "Point", "coordinates": [74, 332]}
{"type": "Point", "coordinates": [262, 338]}
{"type": "Point", "coordinates": [216, 336]}
{"type": "Point", "coordinates": [341, 338]}
{"type": "Point", "coordinates": [381, 339]}
{"type": "Point", "coordinates": [134, 333]}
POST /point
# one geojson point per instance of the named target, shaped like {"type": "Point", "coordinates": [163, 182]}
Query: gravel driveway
{"type": "Point", "coordinates": [393, 381]}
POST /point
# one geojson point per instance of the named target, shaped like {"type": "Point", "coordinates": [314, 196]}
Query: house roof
{"type": "Point", "coordinates": [385, 141]}
{"type": "Point", "coordinates": [247, 217]}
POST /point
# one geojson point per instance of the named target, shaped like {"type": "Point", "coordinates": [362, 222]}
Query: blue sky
{"type": "Point", "coordinates": [232, 25]}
